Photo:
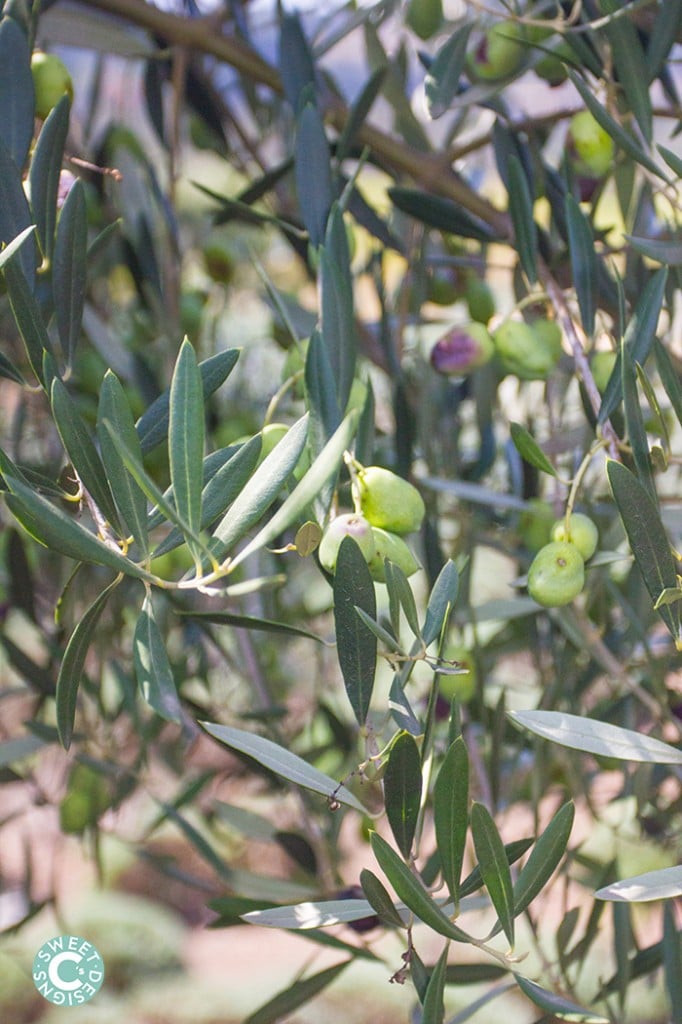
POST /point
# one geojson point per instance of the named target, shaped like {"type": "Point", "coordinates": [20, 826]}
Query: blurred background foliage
{"type": "Point", "coordinates": [449, 233]}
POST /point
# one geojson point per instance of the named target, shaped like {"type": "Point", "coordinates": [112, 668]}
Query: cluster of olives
{"type": "Point", "coordinates": [387, 508]}
{"type": "Point", "coordinates": [557, 573]}
{"type": "Point", "coordinates": [528, 350]}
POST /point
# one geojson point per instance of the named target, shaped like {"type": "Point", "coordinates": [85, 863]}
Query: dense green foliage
{"type": "Point", "coordinates": [252, 322]}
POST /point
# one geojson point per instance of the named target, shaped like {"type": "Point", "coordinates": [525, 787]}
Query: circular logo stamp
{"type": "Point", "coordinates": [68, 970]}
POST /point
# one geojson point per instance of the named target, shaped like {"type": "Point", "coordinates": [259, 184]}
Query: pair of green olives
{"type": "Point", "coordinates": [388, 507]}
{"type": "Point", "coordinates": [557, 573]}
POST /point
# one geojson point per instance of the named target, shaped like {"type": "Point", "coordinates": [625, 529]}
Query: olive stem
{"type": "Point", "coordinates": [576, 482]}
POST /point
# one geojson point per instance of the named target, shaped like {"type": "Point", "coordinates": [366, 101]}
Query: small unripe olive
{"type": "Point", "coordinates": [535, 524]}
{"type": "Point", "coordinates": [390, 545]}
{"type": "Point", "coordinates": [424, 17]}
{"type": "Point", "coordinates": [602, 364]}
{"type": "Point", "coordinates": [388, 501]}
{"type": "Point", "coordinates": [350, 524]}
{"type": "Point", "coordinates": [499, 52]}
{"type": "Point", "coordinates": [591, 145]}
{"type": "Point", "coordinates": [480, 300]}
{"type": "Point", "coordinates": [462, 684]}
{"type": "Point", "coordinates": [525, 352]}
{"type": "Point", "coordinates": [582, 533]}
{"type": "Point", "coordinates": [556, 575]}
{"type": "Point", "coordinates": [462, 350]}
{"type": "Point", "coordinates": [51, 80]}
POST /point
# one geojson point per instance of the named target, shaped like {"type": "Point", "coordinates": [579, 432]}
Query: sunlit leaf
{"type": "Point", "coordinates": [317, 914]}
{"type": "Point", "coordinates": [595, 737]}
{"type": "Point", "coordinates": [529, 449]}
{"type": "Point", "coordinates": [634, 422]}
{"type": "Point", "coordinates": [664, 884]}
{"type": "Point", "coordinates": [441, 601]}
{"type": "Point", "coordinates": [283, 762]}
{"type": "Point", "coordinates": [186, 436]}
{"type": "Point", "coordinates": [130, 499]}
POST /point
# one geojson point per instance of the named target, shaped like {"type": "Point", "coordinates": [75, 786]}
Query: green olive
{"type": "Point", "coordinates": [390, 545]}
{"type": "Point", "coordinates": [388, 501]}
{"type": "Point", "coordinates": [556, 575]}
{"type": "Point", "coordinates": [349, 524]}
{"type": "Point", "coordinates": [51, 80]}
{"type": "Point", "coordinates": [582, 533]}
{"type": "Point", "coordinates": [499, 53]}
{"type": "Point", "coordinates": [591, 145]}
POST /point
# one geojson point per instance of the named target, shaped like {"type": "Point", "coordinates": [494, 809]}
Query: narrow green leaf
{"type": "Point", "coordinates": [14, 750]}
{"type": "Point", "coordinates": [451, 814]}
{"type": "Point", "coordinates": [400, 590]}
{"type": "Point", "coordinates": [662, 37]}
{"type": "Point", "coordinates": [200, 844]}
{"type": "Point", "coordinates": [595, 737]}
{"type": "Point", "coordinates": [583, 261]}
{"type": "Point", "coordinates": [474, 973]}
{"type": "Point", "coordinates": [664, 884]}
{"type": "Point", "coordinates": [296, 62]}
{"type": "Point", "coordinates": [9, 371]}
{"type": "Point", "coordinates": [639, 337]}
{"type": "Point", "coordinates": [544, 858]}
{"type": "Point", "coordinates": [495, 872]}
{"type": "Point", "coordinates": [81, 450]}
{"type": "Point", "coordinates": [634, 422]}
{"type": "Point", "coordinates": [152, 427]}
{"type": "Point", "coordinates": [293, 996]}
{"type": "Point", "coordinates": [380, 633]}
{"type": "Point", "coordinates": [28, 317]}
{"type": "Point", "coordinates": [260, 492]}
{"type": "Point", "coordinates": [648, 539]}
{"type": "Point", "coordinates": [403, 790]}
{"type": "Point", "coordinates": [130, 499]}
{"type": "Point", "coordinates": [313, 175]}
{"type": "Point", "coordinates": [186, 436]}
{"type": "Point", "coordinates": [152, 666]}
{"type": "Point", "coordinates": [672, 159]}
{"type": "Point", "coordinates": [16, 89]}
{"type": "Point", "coordinates": [69, 273]}
{"type": "Point", "coordinates": [631, 65]}
{"type": "Point", "coordinates": [54, 529]}
{"type": "Point", "coordinates": [313, 914]}
{"type": "Point", "coordinates": [379, 899]}
{"type": "Point", "coordinates": [521, 212]}
{"type": "Point", "coordinates": [411, 891]}
{"type": "Point", "coordinates": [620, 135]}
{"type": "Point", "coordinates": [73, 662]}
{"type": "Point", "coordinates": [324, 468]}
{"type": "Point", "coordinates": [281, 761]}
{"type": "Point", "coordinates": [440, 213]}
{"type": "Point", "coordinates": [252, 622]}
{"type": "Point", "coordinates": [44, 173]}
{"type": "Point", "coordinates": [672, 962]}
{"type": "Point", "coordinates": [10, 249]}
{"type": "Point", "coordinates": [441, 601]}
{"type": "Point", "coordinates": [357, 114]}
{"type": "Point", "coordinates": [433, 1011]}
{"type": "Point", "coordinates": [559, 1007]}
{"type": "Point", "coordinates": [667, 251]}
{"type": "Point", "coordinates": [529, 450]}
{"type": "Point", "coordinates": [320, 387]}
{"type": "Point", "coordinates": [356, 644]}
{"type": "Point", "coordinates": [669, 378]}
{"type": "Point", "coordinates": [336, 300]}
{"type": "Point", "coordinates": [15, 215]}
{"type": "Point", "coordinates": [441, 83]}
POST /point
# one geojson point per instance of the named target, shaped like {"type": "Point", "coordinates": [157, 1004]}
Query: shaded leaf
{"type": "Point", "coordinates": [69, 272]}
{"type": "Point", "coordinates": [336, 301]}
{"type": "Point", "coordinates": [281, 761]}
{"type": "Point", "coordinates": [669, 378]}
{"type": "Point", "coordinates": [634, 423]}
{"type": "Point", "coordinates": [521, 211]}
{"type": "Point", "coordinates": [130, 499]}
{"type": "Point", "coordinates": [583, 261]}
{"type": "Point", "coordinates": [441, 83]}
{"type": "Point", "coordinates": [647, 538]}
{"type": "Point", "coordinates": [544, 858]}
{"type": "Point", "coordinates": [357, 115]}
{"type": "Point", "coordinates": [152, 427]}
{"type": "Point", "coordinates": [356, 643]}
{"type": "Point", "coordinates": [380, 900]}
{"type": "Point", "coordinates": [529, 450]}
{"type": "Point", "coordinates": [492, 861]}
{"type": "Point", "coordinates": [433, 1010]}
{"type": "Point", "coordinates": [437, 212]}
{"type": "Point", "coordinates": [296, 64]}
{"type": "Point", "coordinates": [44, 173]}
{"type": "Point", "coordinates": [403, 790]}
{"type": "Point", "coordinates": [400, 591]}
{"type": "Point", "coordinates": [28, 317]}
{"type": "Point", "coordinates": [441, 601]}
{"type": "Point", "coordinates": [252, 622]}
{"type": "Point", "coordinates": [411, 891]}
{"type": "Point", "coordinates": [668, 251]}
{"type": "Point", "coordinates": [595, 737]}
{"type": "Point", "coordinates": [320, 386]}
{"type": "Point", "coordinates": [313, 175]}
{"type": "Point", "coordinates": [152, 666]}
{"type": "Point", "coordinates": [15, 215]}
{"type": "Point", "coordinates": [293, 996]}
{"type": "Point", "coordinates": [16, 89]}
{"type": "Point", "coordinates": [451, 814]}
{"type": "Point", "coordinates": [562, 1008]}
{"type": "Point", "coordinates": [73, 663]}
{"type": "Point", "coordinates": [631, 65]}
{"type": "Point", "coordinates": [18, 748]}
{"type": "Point", "coordinates": [672, 962]}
